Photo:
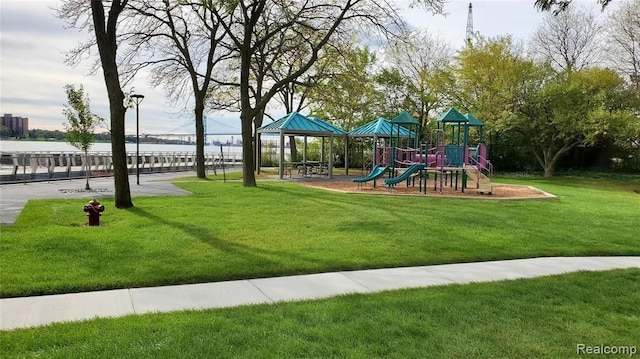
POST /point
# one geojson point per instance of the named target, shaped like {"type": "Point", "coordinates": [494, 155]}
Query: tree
{"type": "Point", "coordinates": [419, 59]}
{"type": "Point", "coordinates": [546, 112]}
{"type": "Point", "coordinates": [485, 78]}
{"type": "Point", "coordinates": [262, 31]}
{"type": "Point", "coordinates": [623, 45]}
{"type": "Point", "coordinates": [348, 97]}
{"type": "Point", "coordinates": [5, 132]}
{"type": "Point", "coordinates": [81, 124]}
{"type": "Point", "coordinates": [568, 40]}
{"type": "Point", "coordinates": [562, 111]}
{"type": "Point", "coordinates": [105, 28]}
{"type": "Point", "coordinates": [182, 43]}
{"type": "Point", "coordinates": [625, 126]}
{"type": "Point", "coordinates": [294, 96]}
{"type": "Point", "coordinates": [558, 6]}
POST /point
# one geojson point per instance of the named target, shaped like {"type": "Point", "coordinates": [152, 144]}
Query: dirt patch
{"type": "Point", "coordinates": [498, 191]}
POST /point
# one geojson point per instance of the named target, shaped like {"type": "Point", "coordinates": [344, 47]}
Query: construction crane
{"type": "Point", "coordinates": [470, 25]}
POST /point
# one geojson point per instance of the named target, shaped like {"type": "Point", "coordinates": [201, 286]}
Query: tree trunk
{"type": "Point", "coordinates": [247, 112]}
{"type": "Point", "coordinates": [549, 170]}
{"type": "Point", "coordinates": [106, 39]}
{"type": "Point", "coordinates": [119, 153]}
{"type": "Point", "coordinates": [548, 162]}
{"type": "Point", "coordinates": [551, 158]}
{"type": "Point", "coordinates": [87, 160]}
{"type": "Point", "coordinates": [248, 165]}
{"type": "Point", "coordinates": [199, 112]}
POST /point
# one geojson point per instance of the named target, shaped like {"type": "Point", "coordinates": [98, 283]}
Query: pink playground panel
{"type": "Point", "coordinates": [482, 155]}
{"type": "Point", "coordinates": [435, 156]}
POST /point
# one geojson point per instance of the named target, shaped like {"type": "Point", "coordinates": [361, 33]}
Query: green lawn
{"type": "Point", "coordinates": [227, 232]}
{"type": "Point", "coordinates": [533, 318]}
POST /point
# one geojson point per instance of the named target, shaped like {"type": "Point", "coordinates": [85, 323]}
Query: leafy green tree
{"type": "Point", "coordinates": [349, 96]}
{"type": "Point", "coordinates": [567, 110]}
{"type": "Point", "coordinates": [486, 79]}
{"type": "Point", "coordinates": [529, 103]}
{"type": "Point", "coordinates": [625, 130]}
{"type": "Point", "coordinates": [81, 124]}
{"type": "Point", "coordinates": [5, 132]}
{"type": "Point", "coordinates": [393, 90]}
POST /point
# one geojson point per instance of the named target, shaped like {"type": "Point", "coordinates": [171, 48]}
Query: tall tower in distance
{"type": "Point", "coordinates": [470, 25]}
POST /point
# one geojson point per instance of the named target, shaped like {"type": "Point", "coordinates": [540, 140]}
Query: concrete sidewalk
{"type": "Point", "coordinates": [36, 311]}
{"type": "Point", "coordinates": [13, 197]}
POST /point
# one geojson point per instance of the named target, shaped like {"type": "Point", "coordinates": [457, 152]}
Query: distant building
{"type": "Point", "coordinates": [18, 126]}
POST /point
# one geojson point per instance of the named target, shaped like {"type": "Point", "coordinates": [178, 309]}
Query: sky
{"type": "Point", "coordinates": [33, 43]}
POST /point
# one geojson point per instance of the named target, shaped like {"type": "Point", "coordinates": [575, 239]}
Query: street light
{"type": "Point", "coordinates": [137, 98]}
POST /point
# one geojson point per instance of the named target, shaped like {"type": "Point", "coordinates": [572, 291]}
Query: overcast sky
{"type": "Point", "coordinates": [33, 42]}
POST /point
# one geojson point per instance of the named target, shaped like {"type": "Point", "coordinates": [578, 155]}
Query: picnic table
{"type": "Point", "coordinates": [307, 168]}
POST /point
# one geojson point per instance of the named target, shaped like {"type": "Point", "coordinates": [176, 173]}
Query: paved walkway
{"type": "Point", "coordinates": [35, 311]}
{"type": "Point", "coordinates": [13, 197]}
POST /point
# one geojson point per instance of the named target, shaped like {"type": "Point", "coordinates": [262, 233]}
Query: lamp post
{"type": "Point", "coordinates": [137, 98]}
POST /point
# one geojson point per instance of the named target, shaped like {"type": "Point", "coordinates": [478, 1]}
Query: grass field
{"type": "Point", "coordinates": [533, 318]}
{"type": "Point", "coordinates": [225, 232]}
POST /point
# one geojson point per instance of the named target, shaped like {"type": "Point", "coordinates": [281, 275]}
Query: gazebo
{"type": "Point", "coordinates": [297, 124]}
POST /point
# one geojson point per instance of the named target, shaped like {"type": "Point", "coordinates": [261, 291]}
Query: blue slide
{"type": "Point", "coordinates": [375, 173]}
{"type": "Point", "coordinates": [405, 175]}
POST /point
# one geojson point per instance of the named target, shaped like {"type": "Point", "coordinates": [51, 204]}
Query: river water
{"type": "Point", "coordinates": [12, 146]}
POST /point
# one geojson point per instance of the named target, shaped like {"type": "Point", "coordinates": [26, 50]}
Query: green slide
{"type": "Point", "coordinates": [405, 175]}
{"type": "Point", "coordinates": [375, 173]}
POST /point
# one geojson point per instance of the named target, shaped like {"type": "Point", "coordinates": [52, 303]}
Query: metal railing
{"type": "Point", "coordinates": [34, 166]}
{"type": "Point", "coordinates": [481, 165]}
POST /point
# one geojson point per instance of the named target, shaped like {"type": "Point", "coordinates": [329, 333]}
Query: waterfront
{"type": "Point", "coordinates": [13, 146]}
{"type": "Point", "coordinates": [27, 161]}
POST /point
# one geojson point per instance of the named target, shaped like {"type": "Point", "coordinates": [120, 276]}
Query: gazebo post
{"type": "Point", "coordinates": [304, 154]}
{"type": "Point", "coordinates": [346, 155]}
{"type": "Point", "coordinates": [330, 165]}
{"type": "Point", "coordinates": [281, 154]}
{"type": "Point", "coordinates": [322, 150]}
{"type": "Point", "coordinates": [375, 150]}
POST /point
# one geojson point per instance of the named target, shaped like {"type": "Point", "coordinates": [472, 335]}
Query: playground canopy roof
{"type": "Point", "coordinates": [452, 116]}
{"type": "Point", "coordinates": [405, 118]}
{"type": "Point", "coordinates": [379, 128]}
{"type": "Point", "coordinates": [296, 123]}
{"type": "Point", "coordinates": [473, 121]}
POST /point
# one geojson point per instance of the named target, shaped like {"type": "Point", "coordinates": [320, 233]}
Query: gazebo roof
{"type": "Point", "coordinates": [405, 118]}
{"type": "Point", "coordinates": [473, 121]}
{"type": "Point", "coordinates": [452, 115]}
{"type": "Point", "coordinates": [296, 123]}
{"type": "Point", "coordinates": [380, 128]}
{"type": "Point", "coordinates": [337, 131]}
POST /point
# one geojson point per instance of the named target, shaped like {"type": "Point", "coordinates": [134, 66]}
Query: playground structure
{"type": "Point", "coordinates": [449, 159]}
